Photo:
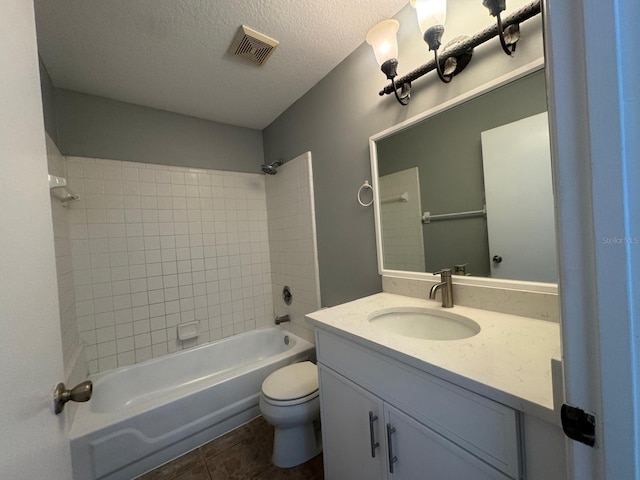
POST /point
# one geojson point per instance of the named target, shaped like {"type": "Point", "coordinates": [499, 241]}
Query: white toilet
{"type": "Point", "coordinates": [290, 402]}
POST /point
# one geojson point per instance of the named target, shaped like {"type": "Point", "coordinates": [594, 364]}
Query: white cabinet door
{"type": "Point", "coordinates": [346, 430]}
{"type": "Point", "coordinates": [418, 453]}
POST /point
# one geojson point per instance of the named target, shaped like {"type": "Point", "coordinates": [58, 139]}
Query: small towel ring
{"type": "Point", "coordinates": [362, 187]}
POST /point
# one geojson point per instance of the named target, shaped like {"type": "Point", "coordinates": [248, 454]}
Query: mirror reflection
{"type": "Point", "coordinates": [470, 188]}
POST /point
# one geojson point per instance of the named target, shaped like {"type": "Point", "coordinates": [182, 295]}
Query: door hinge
{"type": "Point", "coordinates": [578, 425]}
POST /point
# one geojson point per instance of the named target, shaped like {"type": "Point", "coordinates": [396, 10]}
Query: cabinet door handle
{"type": "Point", "coordinates": [392, 458]}
{"type": "Point", "coordinates": [372, 438]}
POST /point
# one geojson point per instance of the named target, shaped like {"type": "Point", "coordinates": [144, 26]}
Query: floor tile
{"type": "Point", "coordinates": [181, 465]}
{"type": "Point", "coordinates": [243, 454]}
{"type": "Point", "coordinates": [311, 470]}
{"type": "Point", "coordinates": [246, 460]}
{"type": "Point", "coordinates": [198, 472]}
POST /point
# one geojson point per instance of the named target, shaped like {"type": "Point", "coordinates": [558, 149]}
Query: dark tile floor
{"type": "Point", "coordinates": [243, 454]}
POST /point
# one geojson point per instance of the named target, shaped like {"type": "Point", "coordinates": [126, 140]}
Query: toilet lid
{"type": "Point", "coordinates": [291, 382]}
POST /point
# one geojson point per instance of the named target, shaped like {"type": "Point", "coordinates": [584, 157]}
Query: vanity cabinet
{"type": "Point", "coordinates": [365, 437]}
{"type": "Point", "coordinates": [382, 419]}
{"type": "Point", "coordinates": [352, 426]}
{"type": "Point", "coordinates": [421, 453]}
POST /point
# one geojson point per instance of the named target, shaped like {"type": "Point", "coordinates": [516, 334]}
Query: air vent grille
{"type": "Point", "coordinates": [252, 46]}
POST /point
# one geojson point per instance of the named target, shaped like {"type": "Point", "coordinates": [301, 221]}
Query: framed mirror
{"type": "Point", "coordinates": [467, 186]}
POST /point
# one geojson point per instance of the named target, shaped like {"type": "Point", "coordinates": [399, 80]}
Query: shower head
{"type": "Point", "coordinates": [271, 169]}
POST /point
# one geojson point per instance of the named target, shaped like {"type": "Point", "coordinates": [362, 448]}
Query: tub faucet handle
{"type": "Point", "coordinates": [80, 393]}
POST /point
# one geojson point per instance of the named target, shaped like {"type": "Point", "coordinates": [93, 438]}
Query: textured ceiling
{"type": "Point", "coordinates": [173, 54]}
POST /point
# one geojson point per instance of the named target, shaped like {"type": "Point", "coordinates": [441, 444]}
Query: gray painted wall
{"type": "Point", "coordinates": [90, 126]}
{"type": "Point", "coordinates": [48, 108]}
{"type": "Point", "coordinates": [335, 119]}
{"type": "Point", "coordinates": [447, 149]}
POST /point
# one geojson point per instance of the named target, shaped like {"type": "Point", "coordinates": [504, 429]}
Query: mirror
{"type": "Point", "coordinates": [469, 187]}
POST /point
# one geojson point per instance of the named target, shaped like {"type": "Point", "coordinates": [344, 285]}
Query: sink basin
{"type": "Point", "coordinates": [424, 323]}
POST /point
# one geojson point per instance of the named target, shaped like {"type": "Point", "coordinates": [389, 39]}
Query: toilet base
{"type": "Point", "coordinates": [295, 445]}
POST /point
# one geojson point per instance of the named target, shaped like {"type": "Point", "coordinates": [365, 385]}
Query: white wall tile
{"type": "Point", "coordinates": [292, 243]}
{"type": "Point", "coordinates": [70, 324]}
{"type": "Point", "coordinates": [149, 246]}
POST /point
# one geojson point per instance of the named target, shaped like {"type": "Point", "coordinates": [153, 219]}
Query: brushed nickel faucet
{"type": "Point", "coordinates": [282, 319]}
{"type": "Point", "coordinates": [445, 285]}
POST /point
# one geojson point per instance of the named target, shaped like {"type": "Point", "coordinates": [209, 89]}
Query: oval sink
{"type": "Point", "coordinates": [424, 323]}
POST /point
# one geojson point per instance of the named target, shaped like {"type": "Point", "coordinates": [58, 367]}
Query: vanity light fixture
{"type": "Point", "coordinates": [456, 54]}
{"type": "Point", "coordinates": [508, 36]}
{"type": "Point", "coordinates": [431, 16]}
{"type": "Point", "coordinates": [382, 37]}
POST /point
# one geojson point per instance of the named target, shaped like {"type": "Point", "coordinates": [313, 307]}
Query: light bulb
{"type": "Point", "coordinates": [430, 13]}
{"type": "Point", "coordinates": [382, 37]}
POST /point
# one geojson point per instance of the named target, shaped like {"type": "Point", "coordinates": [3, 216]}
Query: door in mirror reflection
{"type": "Point", "coordinates": [516, 162]}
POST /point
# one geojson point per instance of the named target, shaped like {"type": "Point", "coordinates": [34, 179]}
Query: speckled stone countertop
{"type": "Point", "coordinates": [509, 361]}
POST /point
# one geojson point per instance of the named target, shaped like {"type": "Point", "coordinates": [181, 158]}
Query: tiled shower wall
{"type": "Point", "coordinates": [402, 234]}
{"type": "Point", "coordinates": [155, 246]}
{"type": "Point", "coordinates": [71, 353]}
{"type": "Point", "coordinates": [292, 238]}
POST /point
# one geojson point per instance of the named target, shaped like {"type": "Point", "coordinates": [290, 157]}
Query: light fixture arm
{"type": "Point", "coordinates": [390, 69]}
{"type": "Point", "coordinates": [404, 98]}
{"type": "Point", "coordinates": [526, 12]}
{"type": "Point", "coordinates": [514, 29]}
{"type": "Point", "coordinates": [433, 38]}
{"type": "Point", "coordinates": [441, 75]}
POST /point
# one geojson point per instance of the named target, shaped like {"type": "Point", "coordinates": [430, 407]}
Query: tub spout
{"type": "Point", "coordinates": [283, 318]}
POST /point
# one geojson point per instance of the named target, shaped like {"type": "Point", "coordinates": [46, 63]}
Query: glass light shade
{"type": "Point", "coordinates": [382, 37]}
{"type": "Point", "coordinates": [430, 13]}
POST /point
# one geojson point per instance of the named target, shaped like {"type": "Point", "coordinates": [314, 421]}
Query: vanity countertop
{"type": "Point", "coordinates": [509, 361]}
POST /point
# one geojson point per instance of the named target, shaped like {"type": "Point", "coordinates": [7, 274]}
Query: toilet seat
{"type": "Point", "coordinates": [291, 385]}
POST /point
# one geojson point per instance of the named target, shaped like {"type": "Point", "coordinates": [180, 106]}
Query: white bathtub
{"type": "Point", "coordinates": [144, 415]}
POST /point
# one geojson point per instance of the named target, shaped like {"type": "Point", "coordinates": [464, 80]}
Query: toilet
{"type": "Point", "coordinates": [290, 402]}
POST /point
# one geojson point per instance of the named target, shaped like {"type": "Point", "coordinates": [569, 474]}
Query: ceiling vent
{"type": "Point", "coordinates": [252, 46]}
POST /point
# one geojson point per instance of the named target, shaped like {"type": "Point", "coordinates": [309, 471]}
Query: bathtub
{"type": "Point", "coordinates": [144, 415]}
